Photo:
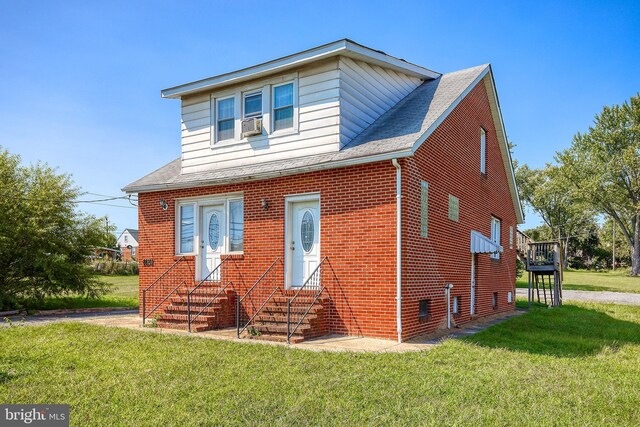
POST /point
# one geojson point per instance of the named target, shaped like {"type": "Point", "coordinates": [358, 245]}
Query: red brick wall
{"type": "Point", "coordinates": [357, 233]}
{"type": "Point", "coordinates": [449, 161]}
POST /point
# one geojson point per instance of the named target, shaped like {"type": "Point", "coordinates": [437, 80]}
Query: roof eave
{"type": "Point", "coordinates": [130, 189]}
{"type": "Point", "coordinates": [341, 47]}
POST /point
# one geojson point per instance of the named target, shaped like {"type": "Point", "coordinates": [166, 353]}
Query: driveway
{"type": "Point", "coordinates": [594, 296]}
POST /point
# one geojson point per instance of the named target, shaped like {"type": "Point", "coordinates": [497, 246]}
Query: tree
{"type": "Point", "coordinates": [602, 169]}
{"type": "Point", "coordinates": [544, 190]}
{"type": "Point", "coordinates": [44, 241]}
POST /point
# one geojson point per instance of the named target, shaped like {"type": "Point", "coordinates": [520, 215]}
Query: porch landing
{"type": "Point", "coordinates": [335, 343]}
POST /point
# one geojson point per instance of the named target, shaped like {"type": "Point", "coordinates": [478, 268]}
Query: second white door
{"type": "Point", "coordinates": [303, 241]}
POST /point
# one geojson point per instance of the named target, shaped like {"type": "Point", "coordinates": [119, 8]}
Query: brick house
{"type": "Point", "coordinates": [128, 244]}
{"type": "Point", "coordinates": [336, 190]}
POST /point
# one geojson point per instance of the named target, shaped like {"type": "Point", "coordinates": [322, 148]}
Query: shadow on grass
{"type": "Point", "coordinates": [567, 331]}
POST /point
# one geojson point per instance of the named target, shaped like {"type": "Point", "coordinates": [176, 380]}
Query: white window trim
{"type": "Point", "coordinates": [214, 114]}
{"type": "Point", "coordinates": [424, 213]}
{"type": "Point", "coordinates": [266, 86]}
{"type": "Point", "coordinates": [483, 151]}
{"type": "Point", "coordinates": [454, 201]}
{"type": "Point", "coordinates": [198, 203]}
{"type": "Point", "coordinates": [245, 95]}
{"type": "Point", "coordinates": [496, 230]}
{"type": "Point", "coordinates": [178, 228]}
{"type": "Point", "coordinates": [294, 128]}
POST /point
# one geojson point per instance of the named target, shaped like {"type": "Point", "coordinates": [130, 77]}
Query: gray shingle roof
{"type": "Point", "coordinates": [393, 134]}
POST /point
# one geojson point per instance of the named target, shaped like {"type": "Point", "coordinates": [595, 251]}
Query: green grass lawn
{"type": "Point", "coordinates": [574, 365]}
{"type": "Point", "coordinates": [123, 293]}
{"type": "Point", "coordinates": [584, 280]}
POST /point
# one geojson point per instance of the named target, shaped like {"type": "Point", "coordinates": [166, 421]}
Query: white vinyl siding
{"type": "Point", "coordinates": [495, 234]}
{"type": "Point", "coordinates": [333, 101]}
{"type": "Point", "coordinates": [424, 209]}
{"type": "Point", "coordinates": [483, 151]}
{"type": "Point", "coordinates": [366, 92]}
{"type": "Point", "coordinates": [454, 208]}
{"type": "Point", "coordinates": [316, 123]}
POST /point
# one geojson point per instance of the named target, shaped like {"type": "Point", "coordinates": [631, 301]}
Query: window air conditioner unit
{"type": "Point", "coordinates": [252, 126]}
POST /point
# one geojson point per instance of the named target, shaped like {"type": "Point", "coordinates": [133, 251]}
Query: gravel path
{"type": "Point", "coordinates": [43, 320]}
{"type": "Point", "coordinates": [594, 296]}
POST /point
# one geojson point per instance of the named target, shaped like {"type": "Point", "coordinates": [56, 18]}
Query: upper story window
{"type": "Point", "coordinates": [252, 105]}
{"type": "Point", "coordinates": [126, 238]}
{"type": "Point", "coordinates": [226, 120]}
{"type": "Point", "coordinates": [283, 106]}
{"type": "Point", "coordinates": [424, 209]}
{"type": "Point", "coordinates": [454, 208]}
{"type": "Point", "coordinates": [483, 151]}
{"type": "Point", "coordinates": [495, 234]}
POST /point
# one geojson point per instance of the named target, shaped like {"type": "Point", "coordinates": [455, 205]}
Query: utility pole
{"type": "Point", "coordinates": [613, 224]}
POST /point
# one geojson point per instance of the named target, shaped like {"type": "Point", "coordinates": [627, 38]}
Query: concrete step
{"type": "Point", "coordinates": [277, 338]}
{"type": "Point", "coordinates": [195, 327]}
{"type": "Point", "coordinates": [278, 328]}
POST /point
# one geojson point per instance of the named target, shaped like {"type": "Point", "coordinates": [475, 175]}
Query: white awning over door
{"type": "Point", "coordinates": [483, 245]}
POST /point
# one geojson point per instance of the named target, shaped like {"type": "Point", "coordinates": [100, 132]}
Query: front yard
{"type": "Point", "coordinates": [576, 365]}
{"type": "Point", "coordinates": [123, 292]}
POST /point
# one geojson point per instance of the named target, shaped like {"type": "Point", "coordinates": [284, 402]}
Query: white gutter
{"type": "Point", "coordinates": [398, 247]}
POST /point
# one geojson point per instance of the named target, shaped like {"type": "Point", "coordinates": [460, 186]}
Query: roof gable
{"type": "Point", "coordinates": [344, 47]}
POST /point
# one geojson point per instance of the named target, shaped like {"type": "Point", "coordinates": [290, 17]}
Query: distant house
{"type": "Point", "coordinates": [128, 244]}
{"type": "Point", "coordinates": [336, 190]}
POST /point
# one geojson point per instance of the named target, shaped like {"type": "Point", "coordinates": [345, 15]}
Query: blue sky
{"type": "Point", "coordinates": [81, 80]}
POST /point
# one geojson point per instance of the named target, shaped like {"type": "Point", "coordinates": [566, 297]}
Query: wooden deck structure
{"type": "Point", "coordinates": [543, 262]}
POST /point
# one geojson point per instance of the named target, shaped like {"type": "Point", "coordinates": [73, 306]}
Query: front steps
{"type": "Point", "coordinates": [219, 314]}
{"type": "Point", "coordinates": [271, 323]}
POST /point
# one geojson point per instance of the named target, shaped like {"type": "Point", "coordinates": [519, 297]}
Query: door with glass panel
{"type": "Point", "coordinates": [213, 235]}
{"type": "Point", "coordinates": [303, 241]}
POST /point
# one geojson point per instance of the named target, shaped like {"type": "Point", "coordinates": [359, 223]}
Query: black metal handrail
{"type": "Point", "coordinates": [239, 329]}
{"type": "Point", "coordinates": [291, 332]}
{"type": "Point", "coordinates": [161, 302]}
{"type": "Point", "coordinates": [145, 290]}
{"type": "Point", "coordinates": [189, 318]}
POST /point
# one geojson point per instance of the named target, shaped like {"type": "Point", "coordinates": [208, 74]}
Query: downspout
{"type": "Point", "coordinates": [398, 247]}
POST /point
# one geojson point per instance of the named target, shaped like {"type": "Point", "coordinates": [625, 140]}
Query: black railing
{"type": "Point", "coordinates": [170, 275]}
{"type": "Point", "coordinates": [254, 300]}
{"type": "Point", "coordinates": [214, 276]}
{"type": "Point", "coordinates": [313, 282]}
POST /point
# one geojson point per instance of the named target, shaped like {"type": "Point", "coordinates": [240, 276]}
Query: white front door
{"type": "Point", "coordinates": [212, 235]}
{"type": "Point", "coordinates": [303, 241]}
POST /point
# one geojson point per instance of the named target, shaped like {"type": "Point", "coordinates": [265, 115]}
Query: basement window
{"type": "Point", "coordinates": [494, 300]}
{"type": "Point", "coordinates": [424, 310]}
